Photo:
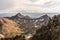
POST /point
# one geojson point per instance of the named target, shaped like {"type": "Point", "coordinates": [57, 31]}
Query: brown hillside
{"type": "Point", "coordinates": [9, 28]}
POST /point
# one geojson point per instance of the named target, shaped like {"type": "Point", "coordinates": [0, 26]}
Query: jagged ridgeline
{"type": "Point", "coordinates": [20, 27]}
{"type": "Point", "coordinates": [28, 24]}
{"type": "Point", "coordinates": [49, 32]}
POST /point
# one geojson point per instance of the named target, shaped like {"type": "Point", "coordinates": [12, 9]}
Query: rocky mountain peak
{"type": "Point", "coordinates": [19, 14]}
{"type": "Point", "coordinates": [44, 16]}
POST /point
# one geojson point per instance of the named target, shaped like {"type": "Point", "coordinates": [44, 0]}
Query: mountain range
{"type": "Point", "coordinates": [19, 23]}
{"type": "Point", "coordinates": [20, 27]}
{"type": "Point", "coordinates": [29, 24]}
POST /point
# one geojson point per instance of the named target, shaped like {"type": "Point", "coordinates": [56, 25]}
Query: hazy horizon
{"type": "Point", "coordinates": [33, 15]}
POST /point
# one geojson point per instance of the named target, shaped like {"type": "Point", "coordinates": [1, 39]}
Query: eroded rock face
{"type": "Point", "coordinates": [49, 32]}
{"type": "Point", "coordinates": [28, 24]}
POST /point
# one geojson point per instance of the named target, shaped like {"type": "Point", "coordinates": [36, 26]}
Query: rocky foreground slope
{"type": "Point", "coordinates": [9, 28]}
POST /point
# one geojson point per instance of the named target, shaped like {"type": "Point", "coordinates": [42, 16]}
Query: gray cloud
{"type": "Point", "coordinates": [37, 3]}
{"type": "Point", "coordinates": [4, 4]}
{"type": "Point", "coordinates": [34, 0]}
{"type": "Point", "coordinates": [44, 6]}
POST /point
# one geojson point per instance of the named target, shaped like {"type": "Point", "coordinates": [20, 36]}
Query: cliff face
{"type": "Point", "coordinates": [28, 24]}
{"type": "Point", "coordinates": [9, 28]}
{"type": "Point", "coordinates": [50, 31]}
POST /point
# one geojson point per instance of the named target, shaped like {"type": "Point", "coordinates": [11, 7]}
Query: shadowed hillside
{"type": "Point", "coordinates": [49, 32]}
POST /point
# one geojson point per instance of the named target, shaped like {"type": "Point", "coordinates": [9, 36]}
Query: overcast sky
{"type": "Point", "coordinates": [42, 6]}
